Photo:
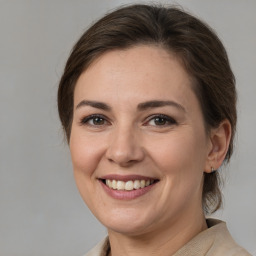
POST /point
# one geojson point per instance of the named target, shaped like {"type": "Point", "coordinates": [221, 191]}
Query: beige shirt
{"type": "Point", "coordinates": [214, 241]}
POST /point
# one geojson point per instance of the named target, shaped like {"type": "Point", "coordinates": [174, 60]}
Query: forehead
{"type": "Point", "coordinates": [150, 71]}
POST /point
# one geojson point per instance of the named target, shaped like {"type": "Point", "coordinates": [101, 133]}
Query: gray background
{"type": "Point", "coordinates": [41, 211]}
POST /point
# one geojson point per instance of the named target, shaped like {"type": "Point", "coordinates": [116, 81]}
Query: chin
{"type": "Point", "coordinates": [126, 221]}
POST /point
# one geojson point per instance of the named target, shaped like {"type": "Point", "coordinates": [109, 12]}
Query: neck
{"type": "Point", "coordinates": [165, 241]}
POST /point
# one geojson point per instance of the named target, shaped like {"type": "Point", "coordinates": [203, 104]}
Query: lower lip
{"type": "Point", "coordinates": [124, 194]}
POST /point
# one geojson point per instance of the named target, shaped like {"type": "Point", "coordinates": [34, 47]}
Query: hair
{"type": "Point", "coordinates": [198, 48]}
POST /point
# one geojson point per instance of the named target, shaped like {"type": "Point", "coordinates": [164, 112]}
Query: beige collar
{"type": "Point", "coordinates": [214, 241]}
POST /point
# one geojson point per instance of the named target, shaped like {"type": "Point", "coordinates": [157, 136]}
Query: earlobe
{"type": "Point", "coordinates": [220, 139]}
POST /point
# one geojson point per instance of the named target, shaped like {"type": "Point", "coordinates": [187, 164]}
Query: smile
{"type": "Point", "coordinates": [128, 185]}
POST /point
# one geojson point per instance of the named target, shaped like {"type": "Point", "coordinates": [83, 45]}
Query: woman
{"type": "Point", "coordinates": [148, 104]}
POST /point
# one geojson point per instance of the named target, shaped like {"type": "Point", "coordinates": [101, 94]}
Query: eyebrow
{"type": "Point", "coordinates": [141, 106]}
{"type": "Point", "coordinates": [94, 104]}
{"type": "Point", "coordinates": [159, 103]}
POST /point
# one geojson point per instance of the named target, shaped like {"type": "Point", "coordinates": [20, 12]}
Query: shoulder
{"type": "Point", "coordinates": [223, 243]}
{"type": "Point", "coordinates": [101, 249]}
{"type": "Point", "coordinates": [215, 241]}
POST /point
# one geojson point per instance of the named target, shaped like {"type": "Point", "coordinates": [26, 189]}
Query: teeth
{"type": "Point", "coordinates": [136, 184]}
{"type": "Point", "coordinates": [109, 183]}
{"type": "Point", "coordinates": [114, 185]}
{"type": "Point", "coordinates": [120, 185]}
{"type": "Point", "coordinates": [128, 185]}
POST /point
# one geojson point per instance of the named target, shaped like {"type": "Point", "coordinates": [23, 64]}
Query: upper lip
{"type": "Point", "coordinates": [126, 177]}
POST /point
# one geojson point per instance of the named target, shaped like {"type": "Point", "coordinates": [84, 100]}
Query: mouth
{"type": "Point", "coordinates": [128, 185]}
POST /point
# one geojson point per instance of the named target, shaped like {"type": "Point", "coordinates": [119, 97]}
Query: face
{"type": "Point", "coordinates": [138, 142]}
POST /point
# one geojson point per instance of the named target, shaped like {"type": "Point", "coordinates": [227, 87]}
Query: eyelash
{"type": "Point", "coordinates": [166, 119]}
{"type": "Point", "coordinates": [86, 120]}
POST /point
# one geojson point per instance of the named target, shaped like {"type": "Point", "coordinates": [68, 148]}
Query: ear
{"type": "Point", "coordinates": [218, 146]}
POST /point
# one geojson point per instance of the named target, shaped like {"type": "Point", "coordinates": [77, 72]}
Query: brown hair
{"type": "Point", "coordinates": [196, 45]}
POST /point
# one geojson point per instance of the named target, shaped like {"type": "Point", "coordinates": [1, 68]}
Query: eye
{"type": "Point", "coordinates": [161, 120]}
{"type": "Point", "coordinates": [94, 120]}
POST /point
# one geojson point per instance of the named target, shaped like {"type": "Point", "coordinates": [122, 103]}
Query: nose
{"type": "Point", "coordinates": [125, 147]}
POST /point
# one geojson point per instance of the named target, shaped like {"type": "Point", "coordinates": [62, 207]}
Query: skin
{"type": "Point", "coordinates": [127, 140]}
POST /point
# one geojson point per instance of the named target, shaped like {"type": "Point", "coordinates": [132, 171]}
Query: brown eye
{"type": "Point", "coordinates": [98, 121]}
{"type": "Point", "coordinates": [161, 120]}
{"type": "Point", "coordinates": [94, 120]}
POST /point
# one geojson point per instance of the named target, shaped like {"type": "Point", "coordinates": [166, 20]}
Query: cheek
{"type": "Point", "coordinates": [181, 162]}
{"type": "Point", "coordinates": [85, 155]}
{"type": "Point", "coordinates": [180, 155]}
{"type": "Point", "coordinates": [85, 152]}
